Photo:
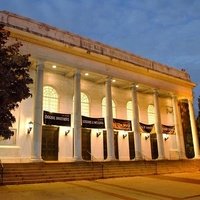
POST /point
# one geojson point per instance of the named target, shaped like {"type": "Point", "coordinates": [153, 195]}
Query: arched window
{"type": "Point", "coordinates": [129, 110]}
{"type": "Point", "coordinates": [151, 114]}
{"type": "Point", "coordinates": [84, 105]}
{"type": "Point", "coordinates": [50, 99]}
{"type": "Point", "coordinates": [104, 108]}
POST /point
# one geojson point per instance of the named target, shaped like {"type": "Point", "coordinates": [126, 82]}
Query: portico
{"type": "Point", "coordinates": [97, 81]}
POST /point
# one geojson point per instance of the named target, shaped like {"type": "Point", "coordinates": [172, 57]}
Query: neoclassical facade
{"type": "Point", "coordinates": [94, 102]}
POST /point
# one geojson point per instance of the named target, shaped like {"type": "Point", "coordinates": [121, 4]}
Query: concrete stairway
{"type": "Point", "coordinates": [24, 173]}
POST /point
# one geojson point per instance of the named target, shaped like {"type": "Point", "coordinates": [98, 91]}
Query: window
{"type": "Point", "coordinates": [129, 110]}
{"type": "Point", "coordinates": [104, 108]}
{"type": "Point", "coordinates": [151, 114]}
{"type": "Point", "coordinates": [50, 99]}
{"type": "Point", "coordinates": [84, 104]}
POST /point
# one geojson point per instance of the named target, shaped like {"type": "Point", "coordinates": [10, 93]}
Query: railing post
{"type": "Point", "coordinates": [1, 166]}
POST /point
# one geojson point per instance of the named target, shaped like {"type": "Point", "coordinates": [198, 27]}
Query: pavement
{"type": "Point", "coordinates": [163, 187]}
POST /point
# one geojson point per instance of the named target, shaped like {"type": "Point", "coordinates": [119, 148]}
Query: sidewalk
{"type": "Point", "coordinates": [162, 187]}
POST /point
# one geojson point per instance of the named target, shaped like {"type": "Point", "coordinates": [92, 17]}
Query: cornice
{"type": "Point", "coordinates": [58, 46]}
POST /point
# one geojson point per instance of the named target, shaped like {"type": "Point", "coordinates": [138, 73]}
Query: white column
{"type": "Point", "coordinates": [38, 112]}
{"type": "Point", "coordinates": [178, 129]}
{"type": "Point", "coordinates": [137, 138]}
{"type": "Point", "coordinates": [158, 127]}
{"type": "Point", "coordinates": [194, 130]}
{"type": "Point", "coordinates": [109, 122]}
{"type": "Point", "coordinates": [77, 117]}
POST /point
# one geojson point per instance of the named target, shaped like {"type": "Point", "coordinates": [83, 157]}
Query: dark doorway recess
{"type": "Point", "coordinates": [86, 144]}
{"type": "Point", "coordinates": [50, 143]}
{"type": "Point", "coordinates": [187, 131]}
{"type": "Point", "coordinates": [131, 145]}
{"type": "Point", "coordinates": [105, 154]}
{"type": "Point", "coordinates": [116, 144]}
{"type": "Point", "coordinates": [154, 146]}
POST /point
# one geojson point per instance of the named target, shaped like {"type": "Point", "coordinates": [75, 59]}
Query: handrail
{"type": "Point", "coordinates": [1, 172]}
{"type": "Point", "coordinates": [147, 158]}
{"type": "Point", "coordinates": [100, 162]}
{"type": "Point", "coordinates": [92, 156]}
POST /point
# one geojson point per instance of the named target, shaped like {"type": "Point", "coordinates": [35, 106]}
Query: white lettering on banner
{"type": "Point", "coordinates": [49, 117]}
{"type": "Point", "coordinates": [98, 122]}
{"type": "Point", "coordinates": [92, 122]}
{"type": "Point", "coordinates": [62, 118]}
{"type": "Point", "coordinates": [87, 121]}
{"type": "Point", "coordinates": [56, 118]}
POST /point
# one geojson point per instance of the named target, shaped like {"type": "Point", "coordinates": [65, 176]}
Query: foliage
{"type": "Point", "coordinates": [187, 132]}
{"type": "Point", "coordinates": [198, 120]}
{"type": "Point", "coordinates": [14, 76]}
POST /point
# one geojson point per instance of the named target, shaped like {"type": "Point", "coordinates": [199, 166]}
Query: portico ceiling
{"type": "Point", "coordinates": [69, 72]}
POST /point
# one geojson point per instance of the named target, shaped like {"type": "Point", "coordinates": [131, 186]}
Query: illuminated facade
{"type": "Point", "coordinates": [94, 102]}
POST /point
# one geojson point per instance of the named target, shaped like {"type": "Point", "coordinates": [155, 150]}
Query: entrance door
{"type": "Point", "coordinates": [86, 144]}
{"type": "Point", "coordinates": [154, 146]}
{"type": "Point", "coordinates": [50, 143]}
{"type": "Point", "coordinates": [105, 154]}
{"type": "Point", "coordinates": [131, 145]}
{"type": "Point", "coordinates": [116, 144]}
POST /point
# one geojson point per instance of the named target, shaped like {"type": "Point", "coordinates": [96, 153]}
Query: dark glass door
{"type": "Point", "coordinates": [131, 145]}
{"type": "Point", "coordinates": [105, 144]}
{"type": "Point", "coordinates": [116, 144]}
{"type": "Point", "coordinates": [50, 143]}
{"type": "Point", "coordinates": [154, 146]}
{"type": "Point", "coordinates": [86, 144]}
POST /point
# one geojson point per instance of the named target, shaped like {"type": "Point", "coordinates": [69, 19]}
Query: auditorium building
{"type": "Point", "coordinates": [94, 102]}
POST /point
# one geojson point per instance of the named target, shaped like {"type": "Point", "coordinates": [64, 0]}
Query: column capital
{"type": "Point", "coordinates": [108, 78]}
{"type": "Point", "coordinates": [155, 90]}
{"type": "Point", "coordinates": [77, 72]}
{"type": "Point", "coordinates": [40, 65]}
{"type": "Point", "coordinates": [40, 62]}
{"type": "Point", "coordinates": [134, 85]}
{"type": "Point", "coordinates": [174, 96]}
{"type": "Point", "coordinates": [191, 99]}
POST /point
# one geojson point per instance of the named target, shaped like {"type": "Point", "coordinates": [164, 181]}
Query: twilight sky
{"type": "Point", "coordinates": [167, 31]}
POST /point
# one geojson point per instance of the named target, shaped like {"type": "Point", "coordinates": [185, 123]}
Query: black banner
{"type": "Point", "coordinates": [88, 122]}
{"type": "Point", "coordinates": [146, 128]}
{"type": "Point", "coordinates": [122, 124]}
{"type": "Point", "coordinates": [58, 119]}
{"type": "Point", "coordinates": [168, 129]}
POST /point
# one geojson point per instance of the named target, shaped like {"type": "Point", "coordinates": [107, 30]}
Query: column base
{"type": "Point", "coordinates": [37, 160]}
{"type": "Point", "coordinates": [196, 157]}
{"type": "Point", "coordinates": [137, 159]}
{"type": "Point", "coordinates": [77, 159]}
{"type": "Point", "coordinates": [182, 155]}
{"type": "Point", "coordinates": [161, 158]}
{"type": "Point", "coordinates": [111, 159]}
{"type": "Point", "coordinates": [183, 158]}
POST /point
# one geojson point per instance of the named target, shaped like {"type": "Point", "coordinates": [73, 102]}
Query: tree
{"type": "Point", "coordinates": [198, 119]}
{"type": "Point", "coordinates": [187, 131]}
{"type": "Point", "coordinates": [14, 80]}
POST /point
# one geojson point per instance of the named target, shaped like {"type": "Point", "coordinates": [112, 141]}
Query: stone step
{"type": "Point", "coordinates": [24, 173]}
